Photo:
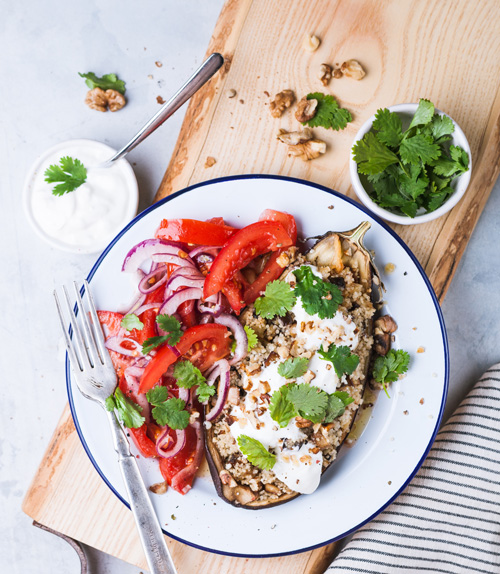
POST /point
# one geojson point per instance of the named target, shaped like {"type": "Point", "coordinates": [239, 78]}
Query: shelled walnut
{"type": "Point", "coordinates": [281, 102]}
{"type": "Point", "coordinates": [302, 144]}
{"type": "Point", "coordinates": [101, 100]}
{"type": "Point", "coordinates": [325, 74]}
{"type": "Point", "coordinates": [353, 69]}
{"type": "Point", "coordinates": [306, 109]}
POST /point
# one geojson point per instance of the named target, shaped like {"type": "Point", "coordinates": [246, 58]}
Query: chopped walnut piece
{"type": "Point", "coordinates": [294, 138]}
{"type": "Point", "coordinates": [302, 144]}
{"type": "Point", "coordinates": [311, 43]}
{"type": "Point", "coordinates": [160, 100]}
{"type": "Point", "coordinates": [101, 100]}
{"type": "Point", "coordinates": [226, 478]}
{"type": "Point", "coordinates": [325, 74]}
{"type": "Point", "coordinates": [337, 73]}
{"type": "Point", "coordinates": [384, 326]}
{"type": "Point", "coordinates": [231, 93]}
{"type": "Point", "coordinates": [281, 102]}
{"type": "Point", "coordinates": [302, 423]}
{"type": "Point", "coordinates": [210, 161]}
{"type": "Point", "coordinates": [159, 488]}
{"type": "Point", "coordinates": [352, 69]}
{"type": "Point", "coordinates": [309, 150]}
{"type": "Point", "coordinates": [306, 110]}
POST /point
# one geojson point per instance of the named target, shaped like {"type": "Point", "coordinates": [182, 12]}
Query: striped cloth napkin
{"type": "Point", "coordinates": [448, 518]}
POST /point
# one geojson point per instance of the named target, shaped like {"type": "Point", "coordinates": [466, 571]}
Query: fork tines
{"type": "Point", "coordinates": [86, 349]}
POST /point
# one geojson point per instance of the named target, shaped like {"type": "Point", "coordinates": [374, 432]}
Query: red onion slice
{"type": "Point", "coordinates": [145, 250]}
{"type": "Point", "coordinates": [147, 307]}
{"type": "Point", "coordinates": [180, 258]}
{"type": "Point", "coordinates": [204, 250]}
{"type": "Point", "coordinates": [145, 285]}
{"type": "Point", "coordinates": [171, 304]}
{"type": "Point", "coordinates": [239, 333]}
{"type": "Point", "coordinates": [165, 445]}
{"type": "Point", "coordinates": [180, 281]}
{"type": "Point", "coordinates": [114, 344]}
{"type": "Point", "coordinates": [212, 305]}
{"type": "Point", "coordinates": [184, 394]}
{"type": "Point", "coordinates": [191, 469]}
{"type": "Point", "coordinates": [221, 371]}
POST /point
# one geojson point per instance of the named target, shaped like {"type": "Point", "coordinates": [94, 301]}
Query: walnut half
{"type": "Point", "coordinates": [281, 102]}
{"type": "Point", "coordinates": [325, 74]}
{"type": "Point", "coordinates": [306, 109]}
{"type": "Point", "coordinates": [100, 100]}
{"type": "Point", "coordinates": [302, 144]}
{"type": "Point", "coordinates": [352, 69]}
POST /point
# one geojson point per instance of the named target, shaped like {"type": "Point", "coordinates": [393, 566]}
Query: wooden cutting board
{"type": "Point", "coordinates": [447, 51]}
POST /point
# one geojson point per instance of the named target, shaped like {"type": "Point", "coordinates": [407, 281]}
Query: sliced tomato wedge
{"type": "Point", "coordinates": [202, 345]}
{"type": "Point", "coordinates": [234, 289]}
{"type": "Point", "coordinates": [251, 241]}
{"type": "Point", "coordinates": [179, 470]}
{"type": "Point", "coordinates": [212, 232]}
{"type": "Point", "coordinates": [272, 270]}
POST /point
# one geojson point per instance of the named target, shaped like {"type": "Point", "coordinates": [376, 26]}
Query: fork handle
{"type": "Point", "coordinates": [152, 539]}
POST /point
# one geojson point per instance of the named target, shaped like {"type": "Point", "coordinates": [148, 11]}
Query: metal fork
{"type": "Point", "coordinates": [96, 379]}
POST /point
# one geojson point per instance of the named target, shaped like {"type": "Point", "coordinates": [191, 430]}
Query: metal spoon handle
{"type": "Point", "coordinates": [195, 82]}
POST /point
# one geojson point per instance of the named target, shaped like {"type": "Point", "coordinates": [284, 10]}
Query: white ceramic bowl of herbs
{"type": "Point", "coordinates": [410, 163]}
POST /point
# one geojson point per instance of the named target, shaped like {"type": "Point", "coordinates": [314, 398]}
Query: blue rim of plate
{"type": "Point", "coordinates": [420, 270]}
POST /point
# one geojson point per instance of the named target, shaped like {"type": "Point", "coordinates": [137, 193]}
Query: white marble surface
{"type": "Point", "coordinates": [43, 46]}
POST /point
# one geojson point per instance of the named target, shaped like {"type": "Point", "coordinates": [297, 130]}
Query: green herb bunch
{"type": "Point", "coordinates": [411, 170]}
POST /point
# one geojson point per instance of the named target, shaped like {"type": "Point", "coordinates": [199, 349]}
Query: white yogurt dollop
{"type": "Point", "coordinates": [87, 218]}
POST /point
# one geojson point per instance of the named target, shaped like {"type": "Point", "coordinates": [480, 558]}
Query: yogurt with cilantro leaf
{"type": "Point", "coordinates": [75, 216]}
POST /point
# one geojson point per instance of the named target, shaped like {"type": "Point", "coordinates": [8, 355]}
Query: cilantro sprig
{"type": "Point", "coordinates": [253, 340]}
{"type": "Point", "coordinates": [167, 411]}
{"type": "Point", "coordinates": [387, 369]}
{"type": "Point", "coordinates": [128, 411]}
{"type": "Point", "coordinates": [328, 114]}
{"type": "Point", "coordinates": [69, 175]}
{"type": "Point", "coordinates": [106, 82]}
{"type": "Point", "coordinates": [309, 402]}
{"type": "Point", "coordinates": [318, 296]}
{"type": "Point", "coordinates": [278, 299]}
{"type": "Point", "coordinates": [187, 376]}
{"type": "Point", "coordinates": [256, 452]}
{"type": "Point", "coordinates": [413, 170]}
{"type": "Point", "coordinates": [171, 326]}
{"type": "Point", "coordinates": [343, 361]}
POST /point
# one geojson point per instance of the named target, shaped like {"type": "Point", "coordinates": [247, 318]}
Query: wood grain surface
{"type": "Point", "coordinates": [447, 51]}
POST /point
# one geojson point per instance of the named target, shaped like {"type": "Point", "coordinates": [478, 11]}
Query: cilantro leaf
{"type": "Point", "coordinates": [341, 358]}
{"type": "Point", "coordinates": [337, 403]}
{"type": "Point", "coordinates": [71, 173]}
{"type": "Point", "coordinates": [187, 375]}
{"type": "Point", "coordinates": [280, 408]}
{"type": "Point", "coordinates": [106, 82]}
{"type": "Point", "coordinates": [388, 126]}
{"type": "Point", "coordinates": [424, 113]}
{"type": "Point", "coordinates": [278, 299]}
{"type": "Point", "coordinates": [171, 326]}
{"type": "Point", "coordinates": [168, 324]}
{"type": "Point", "coordinates": [171, 413]}
{"type": "Point", "coordinates": [318, 296]}
{"type": "Point", "coordinates": [157, 395]}
{"type": "Point", "coordinates": [329, 114]}
{"type": "Point", "coordinates": [419, 148]}
{"type": "Point", "coordinates": [256, 452]}
{"type": "Point", "coordinates": [387, 369]}
{"type": "Point", "coordinates": [309, 401]}
{"type": "Point", "coordinates": [204, 392]}
{"type": "Point", "coordinates": [131, 321]}
{"type": "Point", "coordinates": [252, 339]}
{"type": "Point", "coordinates": [441, 126]}
{"type": "Point", "coordinates": [372, 156]}
{"type": "Point", "coordinates": [128, 411]}
{"type": "Point", "coordinates": [460, 157]}
{"type": "Point", "coordinates": [293, 368]}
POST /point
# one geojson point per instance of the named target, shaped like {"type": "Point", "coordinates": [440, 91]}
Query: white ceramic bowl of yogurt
{"type": "Point", "coordinates": [86, 219]}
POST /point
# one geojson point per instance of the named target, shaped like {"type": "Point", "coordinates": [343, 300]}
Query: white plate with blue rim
{"type": "Point", "coordinates": [368, 475]}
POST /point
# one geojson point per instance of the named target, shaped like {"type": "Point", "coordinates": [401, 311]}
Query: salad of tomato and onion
{"type": "Point", "coordinates": [181, 335]}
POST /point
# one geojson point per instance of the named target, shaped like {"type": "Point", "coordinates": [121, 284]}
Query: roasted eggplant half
{"type": "Point", "coordinates": [297, 392]}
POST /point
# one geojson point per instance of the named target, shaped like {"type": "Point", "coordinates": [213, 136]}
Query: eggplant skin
{"type": "Point", "coordinates": [336, 251]}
